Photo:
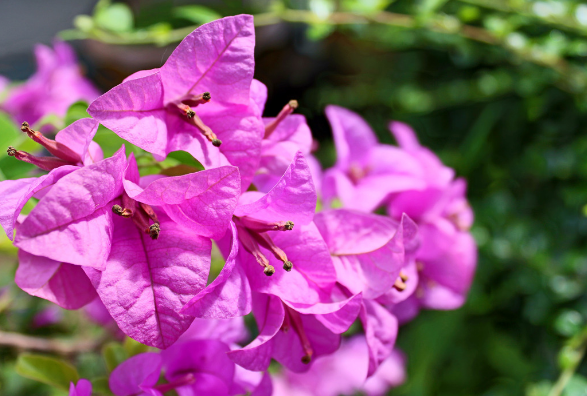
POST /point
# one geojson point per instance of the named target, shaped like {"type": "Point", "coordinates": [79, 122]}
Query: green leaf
{"type": "Point", "coordinates": [185, 158]}
{"type": "Point", "coordinates": [577, 386]}
{"type": "Point", "coordinates": [46, 369]}
{"type": "Point", "coordinates": [116, 18]}
{"type": "Point", "coordinates": [9, 131]}
{"type": "Point", "coordinates": [76, 111]}
{"type": "Point", "coordinates": [101, 387]}
{"type": "Point", "coordinates": [114, 354]}
{"type": "Point", "coordinates": [133, 347]}
{"type": "Point", "coordinates": [196, 14]}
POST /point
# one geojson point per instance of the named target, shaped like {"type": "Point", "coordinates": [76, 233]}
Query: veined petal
{"type": "Point", "coordinates": [16, 193]}
{"type": "Point", "coordinates": [134, 375]}
{"type": "Point", "coordinates": [63, 284]}
{"type": "Point", "coordinates": [380, 331]}
{"type": "Point", "coordinates": [78, 137]}
{"type": "Point", "coordinates": [134, 110]}
{"type": "Point", "coordinates": [353, 137]}
{"type": "Point", "coordinates": [292, 199]}
{"type": "Point", "coordinates": [63, 224]}
{"type": "Point", "coordinates": [229, 295]}
{"type": "Point", "coordinates": [256, 356]}
{"type": "Point", "coordinates": [259, 94]}
{"type": "Point", "coordinates": [217, 57]}
{"type": "Point", "coordinates": [146, 282]}
{"type": "Point", "coordinates": [202, 201]}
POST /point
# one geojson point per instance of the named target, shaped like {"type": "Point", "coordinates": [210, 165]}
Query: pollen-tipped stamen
{"type": "Point", "coordinates": [150, 212]}
{"type": "Point", "coordinates": [205, 130]}
{"type": "Point", "coordinates": [399, 285]}
{"type": "Point", "coordinates": [265, 240]}
{"type": "Point", "coordinates": [263, 226]}
{"type": "Point", "coordinates": [120, 211]}
{"type": "Point", "coordinates": [251, 246]}
{"type": "Point", "coordinates": [154, 230]}
{"type": "Point", "coordinates": [45, 163]}
{"type": "Point", "coordinates": [198, 99]}
{"type": "Point", "coordinates": [287, 110]}
{"type": "Point", "coordinates": [403, 275]}
{"type": "Point", "coordinates": [57, 149]}
{"type": "Point", "coordinates": [296, 323]}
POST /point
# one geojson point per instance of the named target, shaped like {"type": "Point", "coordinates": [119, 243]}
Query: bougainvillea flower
{"type": "Point", "coordinates": [366, 172]}
{"type": "Point", "coordinates": [229, 331]}
{"type": "Point", "coordinates": [57, 84]}
{"type": "Point", "coordinates": [137, 376]}
{"type": "Point", "coordinates": [72, 147]}
{"type": "Point", "coordinates": [149, 277]}
{"type": "Point", "coordinates": [369, 251]}
{"type": "Point", "coordinates": [198, 101]}
{"type": "Point", "coordinates": [343, 373]}
{"type": "Point", "coordinates": [284, 136]}
{"type": "Point", "coordinates": [201, 367]}
{"type": "Point", "coordinates": [271, 231]}
{"type": "Point", "coordinates": [82, 388]}
{"type": "Point", "coordinates": [295, 334]}
{"type": "Point", "coordinates": [447, 257]}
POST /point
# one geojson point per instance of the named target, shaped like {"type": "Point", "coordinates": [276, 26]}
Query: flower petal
{"type": "Point", "coordinates": [63, 284]}
{"type": "Point", "coordinates": [78, 136]}
{"type": "Point", "coordinates": [380, 331]}
{"type": "Point", "coordinates": [138, 372]}
{"type": "Point", "coordinates": [146, 282]}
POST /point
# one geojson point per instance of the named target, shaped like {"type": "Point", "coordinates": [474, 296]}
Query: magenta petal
{"type": "Point", "coordinates": [217, 57]}
{"type": "Point", "coordinates": [380, 331]}
{"type": "Point", "coordinates": [134, 110]}
{"type": "Point", "coordinates": [256, 356]}
{"type": "Point", "coordinates": [71, 223]}
{"type": "Point", "coordinates": [78, 136]}
{"type": "Point", "coordinates": [146, 282]}
{"type": "Point", "coordinates": [265, 387]}
{"type": "Point", "coordinates": [202, 201]}
{"type": "Point", "coordinates": [293, 198]}
{"type": "Point", "coordinates": [83, 388]}
{"type": "Point", "coordinates": [353, 137]}
{"type": "Point", "coordinates": [229, 295]}
{"type": "Point", "coordinates": [258, 94]}
{"type": "Point", "coordinates": [198, 357]}
{"type": "Point", "coordinates": [337, 316]}
{"type": "Point", "coordinates": [16, 193]}
{"type": "Point", "coordinates": [135, 374]}
{"type": "Point", "coordinates": [405, 136]}
{"type": "Point", "coordinates": [64, 284]}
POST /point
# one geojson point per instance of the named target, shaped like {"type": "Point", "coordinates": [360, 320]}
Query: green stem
{"type": "Point", "coordinates": [568, 372]}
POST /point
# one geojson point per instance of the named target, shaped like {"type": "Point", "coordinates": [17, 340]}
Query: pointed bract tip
{"type": "Point", "coordinates": [206, 96]}
{"type": "Point", "coordinates": [269, 270]}
{"type": "Point", "coordinates": [216, 142]}
{"type": "Point", "coordinates": [154, 231]}
{"type": "Point", "coordinates": [306, 359]}
{"type": "Point", "coordinates": [11, 151]}
{"type": "Point", "coordinates": [289, 225]}
{"type": "Point", "coordinates": [288, 265]}
{"type": "Point", "coordinates": [293, 104]}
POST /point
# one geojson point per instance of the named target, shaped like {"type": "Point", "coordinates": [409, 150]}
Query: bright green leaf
{"type": "Point", "coordinates": [133, 347]}
{"type": "Point", "coordinates": [116, 18]}
{"type": "Point", "coordinates": [76, 111]}
{"type": "Point", "coordinates": [100, 387]}
{"type": "Point", "coordinates": [114, 354]}
{"type": "Point", "coordinates": [196, 14]}
{"type": "Point", "coordinates": [46, 369]}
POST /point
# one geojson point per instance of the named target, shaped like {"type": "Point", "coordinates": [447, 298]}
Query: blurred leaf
{"type": "Point", "coordinates": [76, 111]}
{"type": "Point", "coordinates": [196, 14]}
{"type": "Point", "coordinates": [365, 6]}
{"type": "Point", "coordinates": [577, 386]}
{"type": "Point", "coordinates": [114, 354]}
{"type": "Point", "coordinates": [10, 133]}
{"type": "Point", "coordinates": [568, 323]}
{"type": "Point", "coordinates": [116, 17]}
{"type": "Point", "coordinates": [186, 158]}
{"type": "Point", "coordinates": [133, 347]}
{"type": "Point", "coordinates": [101, 387]}
{"type": "Point", "coordinates": [47, 370]}
{"type": "Point", "coordinates": [179, 170]}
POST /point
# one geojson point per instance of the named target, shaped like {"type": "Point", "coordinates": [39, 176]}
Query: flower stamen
{"type": "Point", "coordinates": [287, 110]}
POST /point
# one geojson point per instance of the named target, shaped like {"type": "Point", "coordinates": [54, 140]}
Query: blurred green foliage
{"type": "Point", "coordinates": [496, 87]}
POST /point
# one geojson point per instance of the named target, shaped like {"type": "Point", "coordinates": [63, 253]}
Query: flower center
{"type": "Point", "coordinates": [184, 106]}
{"type": "Point", "coordinates": [252, 233]}
{"type": "Point", "coordinates": [140, 214]}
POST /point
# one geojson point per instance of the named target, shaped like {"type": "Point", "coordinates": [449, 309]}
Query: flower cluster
{"type": "Point", "coordinates": [142, 244]}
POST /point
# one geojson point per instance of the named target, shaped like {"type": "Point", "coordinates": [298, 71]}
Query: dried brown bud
{"type": "Point", "coordinates": [269, 270]}
{"type": "Point", "coordinates": [206, 96]}
{"type": "Point", "coordinates": [216, 142]}
{"type": "Point", "coordinates": [289, 225]}
{"type": "Point", "coordinates": [25, 126]}
{"type": "Point", "coordinates": [11, 151]}
{"type": "Point", "coordinates": [117, 209]}
{"type": "Point", "coordinates": [190, 113]}
{"type": "Point", "coordinates": [293, 104]}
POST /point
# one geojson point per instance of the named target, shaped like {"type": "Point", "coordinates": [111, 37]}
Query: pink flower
{"type": "Point", "coordinates": [343, 373]}
{"type": "Point", "coordinates": [82, 388]}
{"type": "Point", "coordinates": [57, 84]}
{"type": "Point", "coordinates": [212, 68]}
